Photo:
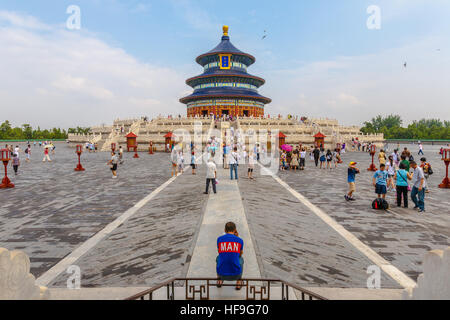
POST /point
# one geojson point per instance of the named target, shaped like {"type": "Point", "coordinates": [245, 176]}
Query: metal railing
{"type": "Point", "coordinates": [255, 289]}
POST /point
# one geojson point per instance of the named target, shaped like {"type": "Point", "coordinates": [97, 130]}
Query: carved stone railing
{"type": "Point", "coordinates": [199, 289]}
{"type": "Point", "coordinates": [16, 281]}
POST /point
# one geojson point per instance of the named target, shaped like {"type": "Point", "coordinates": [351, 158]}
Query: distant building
{"type": "Point", "coordinates": [225, 87]}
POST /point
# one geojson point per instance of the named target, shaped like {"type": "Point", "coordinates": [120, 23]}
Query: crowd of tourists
{"type": "Point", "coordinates": [400, 173]}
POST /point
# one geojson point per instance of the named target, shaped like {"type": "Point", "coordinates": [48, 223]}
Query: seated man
{"type": "Point", "coordinates": [229, 262]}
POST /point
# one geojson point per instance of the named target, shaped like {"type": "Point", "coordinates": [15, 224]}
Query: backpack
{"type": "Point", "coordinates": [429, 171]}
{"type": "Point", "coordinates": [411, 158]}
{"type": "Point", "coordinates": [380, 204]}
{"type": "Point", "coordinates": [26, 150]}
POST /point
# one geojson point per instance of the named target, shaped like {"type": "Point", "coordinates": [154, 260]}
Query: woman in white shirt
{"type": "Point", "coordinates": [390, 168]}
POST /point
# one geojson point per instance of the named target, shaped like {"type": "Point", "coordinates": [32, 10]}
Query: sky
{"type": "Point", "coordinates": [131, 58]}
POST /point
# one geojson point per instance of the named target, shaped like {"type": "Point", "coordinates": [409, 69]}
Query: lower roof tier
{"type": "Point", "coordinates": [225, 92]}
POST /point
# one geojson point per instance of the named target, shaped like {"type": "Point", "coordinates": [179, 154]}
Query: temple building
{"type": "Point", "coordinates": [225, 87]}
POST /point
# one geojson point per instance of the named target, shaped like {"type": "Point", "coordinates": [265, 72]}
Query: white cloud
{"type": "Point", "coordinates": [20, 20]}
{"type": "Point", "coordinates": [67, 78]}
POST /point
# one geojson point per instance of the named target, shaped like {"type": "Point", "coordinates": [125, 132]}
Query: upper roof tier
{"type": "Point", "coordinates": [225, 46]}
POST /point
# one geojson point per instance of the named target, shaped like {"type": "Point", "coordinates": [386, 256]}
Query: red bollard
{"type": "Point", "coordinates": [6, 183]}
{"type": "Point", "coordinates": [113, 147]}
{"type": "Point", "coordinates": [446, 158]}
{"type": "Point", "coordinates": [150, 149]}
{"type": "Point", "coordinates": [372, 153]}
{"type": "Point", "coordinates": [78, 151]}
{"type": "Point", "coordinates": [135, 152]}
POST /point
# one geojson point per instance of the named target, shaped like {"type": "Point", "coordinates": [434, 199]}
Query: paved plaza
{"type": "Point", "coordinates": [60, 217]}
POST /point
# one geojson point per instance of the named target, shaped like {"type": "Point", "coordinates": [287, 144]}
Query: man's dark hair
{"type": "Point", "coordinates": [403, 157]}
{"type": "Point", "coordinates": [423, 159]}
{"type": "Point", "coordinates": [402, 166]}
{"type": "Point", "coordinates": [412, 163]}
{"type": "Point", "coordinates": [382, 165]}
{"type": "Point", "coordinates": [230, 227]}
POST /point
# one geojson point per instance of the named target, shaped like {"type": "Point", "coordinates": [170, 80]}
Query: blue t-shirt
{"type": "Point", "coordinates": [351, 174]}
{"type": "Point", "coordinates": [229, 247]}
{"type": "Point", "coordinates": [381, 177]}
{"type": "Point", "coordinates": [402, 178]}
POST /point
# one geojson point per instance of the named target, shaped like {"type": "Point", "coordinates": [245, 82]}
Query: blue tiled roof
{"type": "Point", "coordinates": [225, 46]}
{"type": "Point", "coordinates": [225, 92]}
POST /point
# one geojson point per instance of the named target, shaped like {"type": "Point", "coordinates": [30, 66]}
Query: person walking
{"type": "Point", "coordinates": [329, 157]}
{"type": "Point", "coordinates": [15, 162]}
{"type": "Point", "coordinates": [211, 175]}
{"type": "Point", "coordinates": [401, 179]}
{"type": "Point", "coordinates": [252, 159]}
{"type": "Point", "coordinates": [46, 156]}
{"type": "Point", "coordinates": [173, 160]}
{"type": "Point", "coordinates": [193, 165]}
{"type": "Point", "coordinates": [233, 162]}
{"type": "Point", "coordinates": [390, 168]}
{"type": "Point", "coordinates": [419, 186]}
{"type": "Point", "coordinates": [351, 173]}
{"type": "Point", "coordinates": [316, 154]}
{"type": "Point", "coordinates": [420, 149]}
{"type": "Point", "coordinates": [322, 158]}
{"type": "Point", "coordinates": [28, 153]}
{"type": "Point", "coordinates": [113, 164]}
{"type": "Point", "coordinates": [120, 155]}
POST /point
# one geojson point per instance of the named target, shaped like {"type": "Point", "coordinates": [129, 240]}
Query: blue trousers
{"type": "Point", "coordinates": [231, 278]}
{"type": "Point", "coordinates": [421, 195]}
{"type": "Point", "coordinates": [233, 167]}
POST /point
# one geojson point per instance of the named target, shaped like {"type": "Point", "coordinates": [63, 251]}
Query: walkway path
{"type": "Point", "coordinates": [221, 208]}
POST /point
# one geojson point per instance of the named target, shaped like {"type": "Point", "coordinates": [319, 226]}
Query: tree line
{"type": "Point", "coordinates": [391, 127]}
{"type": "Point", "coordinates": [26, 132]}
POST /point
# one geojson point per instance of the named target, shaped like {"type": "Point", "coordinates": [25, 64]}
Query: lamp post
{"type": "Point", "coordinates": [446, 158]}
{"type": "Point", "coordinates": [135, 152]}
{"type": "Point", "coordinates": [6, 183]}
{"type": "Point", "coordinates": [113, 147]}
{"type": "Point", "coordinates": [372, 167]}
{"type": "Point", "coordinates": [150, 148]}
{"type": "Point", "coordinates": [79, 150]}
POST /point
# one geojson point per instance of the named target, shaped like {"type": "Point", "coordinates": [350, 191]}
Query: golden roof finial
{"type": "Point", "coordinates": [225, 30]}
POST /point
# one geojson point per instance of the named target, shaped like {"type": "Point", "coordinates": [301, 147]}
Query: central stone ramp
{"type": "Point", "coordinates": [221, 208]}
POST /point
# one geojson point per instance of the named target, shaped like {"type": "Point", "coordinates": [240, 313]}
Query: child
{"type": "Point", "coordinates": [380, 181]}
{"type": "Point", "coordinates": [351, 172]}
{"type": "Point", "coordinates": [46, 156]}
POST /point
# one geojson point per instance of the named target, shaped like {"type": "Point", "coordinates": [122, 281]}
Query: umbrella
{"type": "Point", "coordinates": [48, 146]}
{"type": "Point", "coordinates": [287, 147]}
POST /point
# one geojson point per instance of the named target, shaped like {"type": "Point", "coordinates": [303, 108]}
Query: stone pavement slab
{"type": "Point", "coordinates": [401, 236]}
{"type": "Point", "coordinates": [221, 208]}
